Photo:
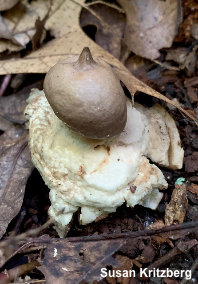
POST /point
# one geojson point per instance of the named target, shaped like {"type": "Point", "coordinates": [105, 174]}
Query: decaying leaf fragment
{"type": "Point", "coordinates": [72, 42]}
{"type": "Point", "coordinates": [193, 188]}
{"type": "Point", "coordinates": [151, 25]}
{"type": "Point", "coordinates": [12, 107]}
{"type": "Point", "coordinates": [100, 175]}
{"type": "Point", "coordinates": [20, 22]}
{"type": "Point", "coordinates": [79, 261]}
{"type": "Point", "coordinates": [15, 168]}
{"type": "Point", "coordinates": [5, 33]}
{"type": "Point", "coordinates": [127, 265]}
{"type": "Point", "coordinates": [7, 4]}
{"type": "Point", "coordinates": [108, 39]}
{"type": "Point", "coordinates": [176, 209]}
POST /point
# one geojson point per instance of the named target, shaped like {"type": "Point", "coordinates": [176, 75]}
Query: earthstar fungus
{"type": "Point", "coordinates": [98, 175]}
{"type": "Point", "coordinates": [87, 96]}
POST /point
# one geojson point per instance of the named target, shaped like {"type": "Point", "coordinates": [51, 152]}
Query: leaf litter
{"type": "Point", "coordinates": [72, 43]}
{"type": "Point", "coordinates": [103, 36]}
{"type": "Point", "coordinates": [42, 60]}
{"type": "Point", "coordinates": [16, 166]}
{"type": "Point", "coordinates": [147, 22]}
{"type": "Point", "coordinates": [82, 261]}
{"type": "Point", "coordinates": [15, 160]}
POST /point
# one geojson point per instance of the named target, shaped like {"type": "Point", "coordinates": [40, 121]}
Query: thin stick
{"type": "Point", "coordinates": [137, 234]}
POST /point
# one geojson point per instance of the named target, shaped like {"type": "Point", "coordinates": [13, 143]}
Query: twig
{"type": "Point", "coordinates": [187, 225]}
{"type": "Point", "coordinates": [94, 238]}
{"type": "Point", "coordinates": [144, 233]}
{"type": "Point", "coordinates": [166, 66]}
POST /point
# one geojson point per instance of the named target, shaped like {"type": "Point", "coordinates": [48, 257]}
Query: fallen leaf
{"type": "Point", "coordinates": [190, 62]}
{"type": "Point", "coordinates": [131, 247]}
{"type": "Point", "coordinates": [157, 225]}
{"type": "Point", "coordinates": [12, 107]}
{"type": "Point", "coordinates": [191, 112]}
{"type": "Point", "coordinates": [72, 43]}
{"type": "Point", "coordinates": [161, 239]}
{"type": "Point", "coordinates": [177, 55]}
{"type": "Point", "coordinates": [150, 26]}
{"type": "Point", "coordinates": [108, 39]}
{"type": "Point", "coordinates": [127, 264]}
{"type": "Point", "coordinates": [176, 209]}
{"type": "Point", "coordinates": [193, 188]}
{"type": "Point", "coordinates": [5, 33]}
{"type": "Point", "coordinates": [139, 66]}
{"type": "Point", "coordinates": [8, 276]}
{"type": "Point", "coordinates": [7, 4]}
{"type": "Point", "coordinates": [21, 21]}
{"type": "Point", "coordinates": [5, 124]}
{"type": "Point", "coordinates": [77, 261]}
{"type": "Point", "coordinates": [191, 163]}
{"type": "Point", "coordinates": [15, 168]}
{"type": "Point", "coordinates": [189, 82]}
{"type": "Point", "coordinates": [192, 94]}
{"type": "Point", "coordinates": [147, 255]}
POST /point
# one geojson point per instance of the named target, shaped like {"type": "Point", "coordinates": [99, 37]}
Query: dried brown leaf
{"type": "Point", "coordinates": [5, 124]}
{"type": "Point", "coordinates": [177, 54]}
{"type": "Point", "coordinates": [193, 188]}
{"type": "Point", "coordinates": [176, 209]}
{"type": "Point", "coordinates": [10, 275]}
{"type": "Point", "coordinates": [7, 4]}
{"type": "Point", "coordinates": [157, 225]}
{"type": "Point", "coordinates": [189, 63]}
{"type": "Point", "coordinates": [108, 39]}
{"type": "Point", "coordinates": [5, 33]}
{"type": "Point", "coordinates": [72, 43]}
{"type": "Point", "coordinates": [15, 168]}
{"type": "Point", "coordinates": [161, 238]}
{"type": "Point", "coordinates": [79, 261]}
{"type": "Point", "coordinates": [12, 107]}
{"type": "Point", "coordinates": [133, 85]}
{"type": "Point", "coordinates": [192, 94]}
{"type": "Point", "coordinates": [191, 163]}
{"type": "Point", "coordinates": [127, 264]}
{"type": "Point", "coordinates": [21, 21]}
{"type": "Point", "coordinates": [147, 255]}
{"type": "Point", "coordinates": [150, 26]}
